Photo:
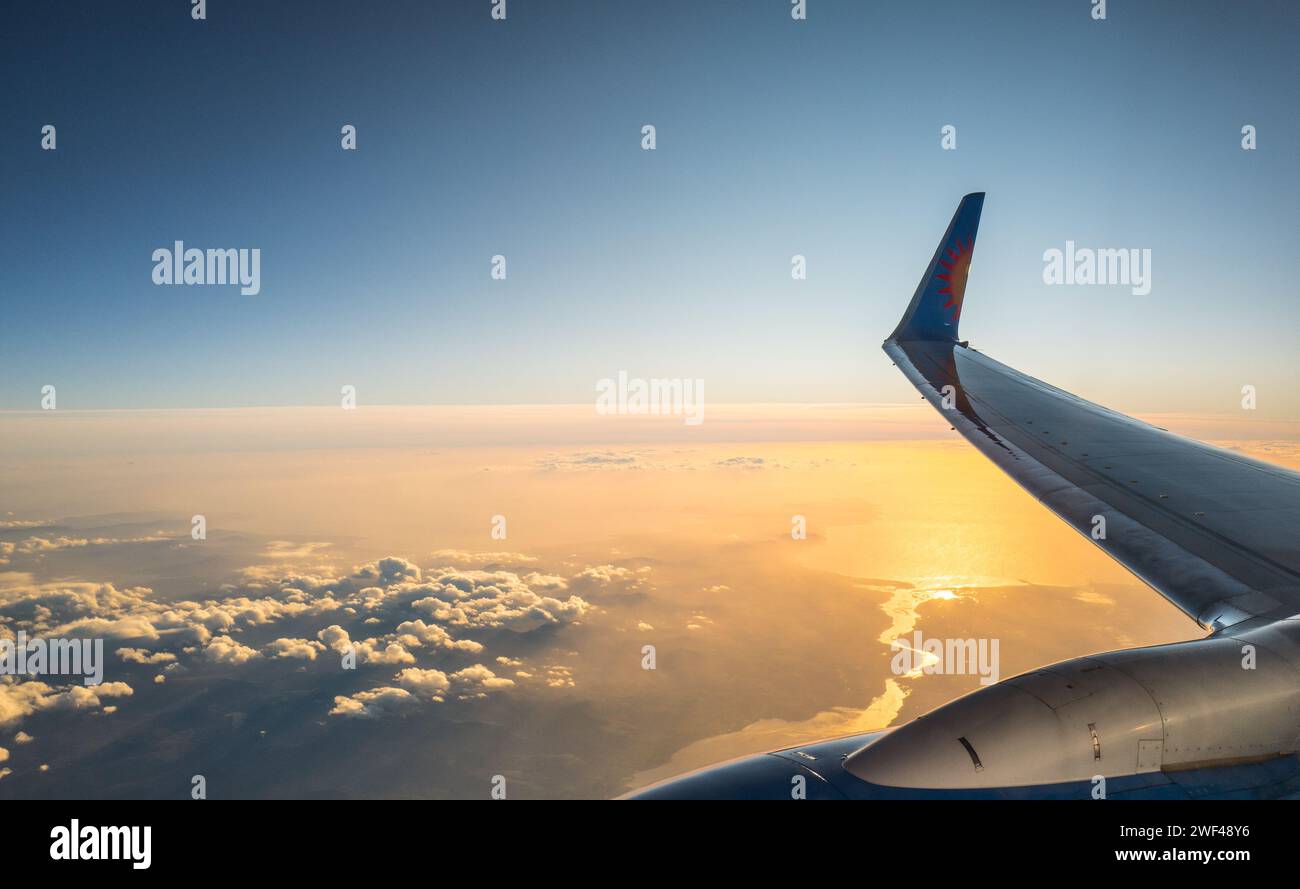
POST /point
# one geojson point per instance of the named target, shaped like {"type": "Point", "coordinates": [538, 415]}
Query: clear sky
{"type": "Point", "coordinates": [522, 138]}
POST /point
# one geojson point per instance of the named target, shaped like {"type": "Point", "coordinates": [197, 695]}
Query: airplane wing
{"type": "Point", "coordinates": [1212, 531]}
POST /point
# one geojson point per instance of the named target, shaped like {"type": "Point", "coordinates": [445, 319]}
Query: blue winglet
{"type": "Point", "coordinates": [936, 306]}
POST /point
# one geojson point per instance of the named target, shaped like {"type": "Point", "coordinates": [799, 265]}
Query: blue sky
{"type": "Point", "coordinates": [522, 138]}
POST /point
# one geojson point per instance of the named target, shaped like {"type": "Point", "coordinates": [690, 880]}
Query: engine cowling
{"type": "Point", "coordinates": [1191, 704]}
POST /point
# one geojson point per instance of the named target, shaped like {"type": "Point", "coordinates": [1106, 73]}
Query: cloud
{"type": "Point", "coordinates": [558, 676]}
{"type": "Point", "coordinates": [38, 545]}
{"type": "Point", "coordinates": [69, 598]}
{"type": "Point", "coordinates": [386, 571]}
{"type": "Point", "coordinates": [414, 633]}
{"type": "Point", "coordinates": [613, 579]}
{"type": "Point", "coordinates": [336, 638]}
{"type": "Point", "coordinates": [549, 583]}
{"type": "Point", "coordinates": [144, 656]}
{"type": "Point", "coordinates": [101, 610]}
{"type": "Point", "coordinates": [499, 599]}
{"type": "Point", "coordinates": [21, 699]}
{"type": "Point", "coordinates": [224, 650]}
{"type": "Point", "coordinates": [116, 628]}
{"type": "Point", "coordinates": [305, 649]}
{"type": "Point", "coordinates": [425, 683]}
{"type": "Point", "coordinates": [590, 460]}
{"type": "Point", "coordinates": [741, 462]}
{"type": "Point", "coordinates": [477, 681]}
{"type": "Point", "coordinates": [415, 683]}
{"type": "Point", "coordinates": [375, 651]}
{"type": "Point", "coordinates": [427, 614]}
{"type": "Point", "coordinates": [372, 704]}
{"type": "Point", "coordinates": [604, 574]}
{"type": "Point", "coordinates": [371, 651]}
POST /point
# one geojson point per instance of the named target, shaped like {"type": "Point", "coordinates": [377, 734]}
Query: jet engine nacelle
{"type": "Point", "coordinates": [1233, 697]}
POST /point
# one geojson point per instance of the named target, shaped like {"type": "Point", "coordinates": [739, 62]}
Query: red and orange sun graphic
{"type": "Point", "coordinates": [956, 266]}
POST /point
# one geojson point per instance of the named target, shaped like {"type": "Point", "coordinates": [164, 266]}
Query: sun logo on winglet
{"type": "Point", "coordinates": [956, 266]}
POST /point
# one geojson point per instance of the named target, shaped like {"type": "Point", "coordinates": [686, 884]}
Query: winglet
{"type": "Point", "coordinates": [936, 306]}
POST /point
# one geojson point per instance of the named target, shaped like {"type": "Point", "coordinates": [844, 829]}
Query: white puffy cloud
{"type": "Point", "coordinates": [224, 650]}
{"type": "Point", "coordinates": [546, 583]}
{"type": "Point", "coordinates": [335, 637]}
{"type": "Point", "coordinates": [103, 611]}
{"type": "Point", "coordinates": [478, 680]}
{"type": "Point", "coordinates": [415, 683]}
{"type": "Point", "coordinates": [71, 599]}
{"type": "Point", "coordinates": [424, 683]}
{"type": "Point", "coordinates": [105, 628]}
{"type": "Point", "coordinates": [385, 572]}
{"type": "Point", "coordinates": [144, 656]}
{"type": "Point", "coordinates": [376, 651]}
{"type": "Point", "coordinates": [414, 633]}
{"type": "Point", "coordinates": [409, 614]}
{"type": "Point", "coordinates": [21, 699]}
{"type": "Point", "coordinates": [305, 649]}
{"type": "Point", "coordinates": [372, 703]}
{"type": "Point", "coordinates": [369, 651]}
{"type": "Point", "coordinates": [426, 612]}
{"type": "Point", "coordinates": [494, 599]}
